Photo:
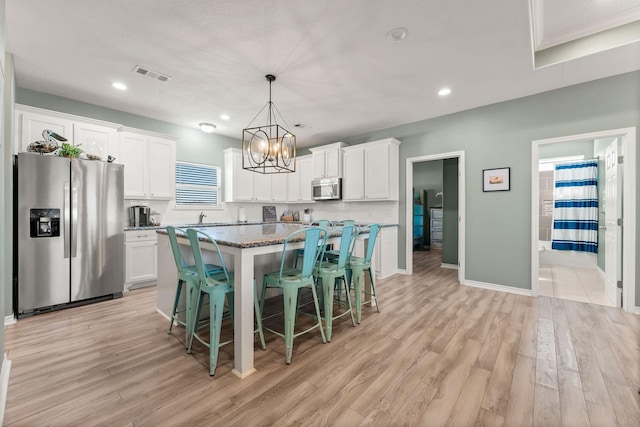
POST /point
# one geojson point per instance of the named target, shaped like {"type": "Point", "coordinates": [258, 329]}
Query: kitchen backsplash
{"type": "Point", "coordinates": [383, 212]}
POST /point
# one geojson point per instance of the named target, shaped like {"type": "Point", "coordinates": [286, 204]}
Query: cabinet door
{"type": "Point", "coordinates": [141, 261]}
{"type": "Point", "coordinates": [162, 168]}
{"type": "Point", "coordinates": [376, 175]}
{"type": "Point", "coordinates": [332, 161]}
{"type": "Point", "coordinates": [133, 150]}
{"type": "Point", "coordinates": [95, 140]}
{"type": "Point", "coordinates": [353, 180]}
{"type": "Point", "coordinates": [242, 180]}
{"type": "Point", "coordinates": [306, 176]}
{"type": "Point", "coordinates": [318, 164]}
{"type": "Point", "coordinates": [293, 190]}
{"type": "Point", "coordinates": [33, 124]}
{"type": "Point", "coordinates": [280, 186]}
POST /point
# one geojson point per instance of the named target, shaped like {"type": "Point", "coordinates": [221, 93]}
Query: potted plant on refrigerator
{"type": "Point", "coordinates": [70, 151]}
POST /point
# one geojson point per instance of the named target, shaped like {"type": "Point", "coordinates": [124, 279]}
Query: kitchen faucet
{"type": "Point", "coordinates": [201, 218]}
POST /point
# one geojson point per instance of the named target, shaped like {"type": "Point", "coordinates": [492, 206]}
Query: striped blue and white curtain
{"type": "Point", "coordinates": [575, 213]}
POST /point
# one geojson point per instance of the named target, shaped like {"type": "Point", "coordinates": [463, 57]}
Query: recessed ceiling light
{"type": "Point", "coordinates": [444, 91]}
{"type": "Point", "coordinates": [207, 127]}
{"type": "Point", "coordinates": [225, 117]}
{"type": "Point", "coordinates": [119, 86]}
{"type": "Point", "coordinates": [398, 34]}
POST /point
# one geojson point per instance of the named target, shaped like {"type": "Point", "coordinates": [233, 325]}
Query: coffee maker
{"type": "Point", "coordinates": [139, 216]}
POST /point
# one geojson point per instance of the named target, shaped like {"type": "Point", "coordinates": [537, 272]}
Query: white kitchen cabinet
{"type": "Point", "coordinates": [280, 187]}
{"type": "Point", "coordinates": [31, 125]}
{"type": "Point", "coordinates": [299, 190]}
{"type": "Point", "coordinates": [150, 166]}
{"type": "Point", "coordinates": [371, 171]}
{"type": "Point", "coordinates": [241, 185]}
{"type": "Point", "coordinates": [97, 140]}
{"type": "Point", "coordinates": [385, 252]}
{"type": "Point", "coordinates": [327, 160]}
{"type": "Point", "coordinates": [141, 257]}
{"type": "Point", "coordinates": [93, 136]}
{"type": "Point", "coordinates": [353, 174]}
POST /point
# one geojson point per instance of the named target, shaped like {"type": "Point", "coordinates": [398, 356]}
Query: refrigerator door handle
{"type": "Point", "coordinates": [74, 221]}
{"type": "Point", "coordinates": [67, 220]}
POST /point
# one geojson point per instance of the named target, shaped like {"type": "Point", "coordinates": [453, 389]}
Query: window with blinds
{"type": "Point", "coordinates": [197, 184]}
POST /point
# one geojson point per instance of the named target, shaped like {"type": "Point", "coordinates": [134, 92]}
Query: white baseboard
{"type": "Point", "coordinates": [501, 288]}
{"type": "Point", "coordinates": [451, 266]}
{"type": "Point", "coordinates": [638, 311]}
{"type": "Point", "coordinates": [4, 386]}
{"type": "Point", "coordinates": [163, 314]}
{"type": "Point", "coordinates": [402, 271]}
{"type": "Point", "coordinates": [9, 320]}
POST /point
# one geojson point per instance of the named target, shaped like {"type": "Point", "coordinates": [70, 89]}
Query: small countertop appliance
{"type": "Point", "coordinates": [139, 216]}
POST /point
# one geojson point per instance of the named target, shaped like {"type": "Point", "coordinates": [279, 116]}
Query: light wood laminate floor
{"type": "Point", "coordinates": [438, 353]}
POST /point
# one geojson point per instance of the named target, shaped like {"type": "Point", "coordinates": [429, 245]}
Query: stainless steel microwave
{"type": "Point", "coordinates": [326, 188]}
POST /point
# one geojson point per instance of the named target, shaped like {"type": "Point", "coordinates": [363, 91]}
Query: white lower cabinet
{"type": "Point", "coordinates": [141, 257]}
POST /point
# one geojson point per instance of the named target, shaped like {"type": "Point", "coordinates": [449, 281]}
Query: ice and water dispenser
{"type": "Point", "coordinates": [45, 222]}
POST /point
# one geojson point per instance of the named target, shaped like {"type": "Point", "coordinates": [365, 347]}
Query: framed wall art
{"type": "Point", "coordinates": [496, 179]}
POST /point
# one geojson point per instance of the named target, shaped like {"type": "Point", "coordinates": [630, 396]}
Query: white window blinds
{"type": "Point", "coordinates": [197, 184]}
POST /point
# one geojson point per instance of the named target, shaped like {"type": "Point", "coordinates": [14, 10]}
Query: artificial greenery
{"type": "Point", "coordinates": [68, 150]}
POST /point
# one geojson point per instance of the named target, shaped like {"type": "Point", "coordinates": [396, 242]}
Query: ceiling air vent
{"type": "Point", "coordinates": [151, 74]}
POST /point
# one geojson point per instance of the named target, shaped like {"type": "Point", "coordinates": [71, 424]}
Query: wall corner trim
{"type": "Point", "coordinates": [500, 288]}
{"type": "Point", "coordinates": [9, 320]}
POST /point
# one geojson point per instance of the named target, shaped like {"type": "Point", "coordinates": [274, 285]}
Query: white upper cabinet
{"type": "Point", "coordinates": [33, 123]}
{"type": "Point", "coordinates": [98, 141]}
{"type": "Point", "coordinates": [300, 181]}
{"type": "Point", "coordinates": [371, 171]}
{"type": "Point", "coordinates": [96, 138]}
{"type": "Point", "coordinates": [241, 185]}
{"type": "Point", "coordinates": [150, 166]}
{"type": "Point", "coordinates": [327, 160]}
{"type": "Point", "coordinates": [353, 175]}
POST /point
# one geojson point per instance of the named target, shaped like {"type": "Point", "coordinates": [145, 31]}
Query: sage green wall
{"type": "Point", "coordinates": [428, 176]}
{"type": "Point", "coordinates": [192, 145]}
{"type": "Point", "coordinates": [498, 224]}
{"type": "Point", "coordinates": [450, 211]}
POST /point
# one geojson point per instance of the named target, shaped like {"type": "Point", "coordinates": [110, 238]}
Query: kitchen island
{"type": "Point", "coordinates": [250, 251]}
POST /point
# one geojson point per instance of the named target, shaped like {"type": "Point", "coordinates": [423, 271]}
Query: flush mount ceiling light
{"type": "Point", "coordinates": [398, 34]}
{"type": "Point", "coordinates": [225, 117]}
{"type": "Point", "coordinates": [119, 86]}
{"type": "Point", "coordinates": [207, 127]}
{"type": "Point", "coordinates": [269, 148]}
{"type": "Point", "coordinates": [444, 91]}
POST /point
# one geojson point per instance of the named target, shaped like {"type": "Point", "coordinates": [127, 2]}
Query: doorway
{"type": "Point", "coordinates": [625, 274]}
{"type": "Point", "coordinates": [458, 158]}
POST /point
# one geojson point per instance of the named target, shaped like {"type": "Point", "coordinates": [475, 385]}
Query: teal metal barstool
{"type": "Point", "coordinates": [292, 280]}
{"type": "Point", "coordinates": [186, 274]}
{"type": "Point", "coordinates": [216, 287]}
{"type": "Point", "coordinates": [358, 266]}
{"type": "Point", "coordinates": [322, 223]}
{"type": "Point", "coordinates": [332, 273]}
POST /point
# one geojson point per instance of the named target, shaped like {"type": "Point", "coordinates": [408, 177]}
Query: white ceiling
{"type": "Point", "coordinates": [337, 73]}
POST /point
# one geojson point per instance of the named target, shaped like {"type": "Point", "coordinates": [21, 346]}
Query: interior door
{"type": "Point", "coordinates": [613, 232]}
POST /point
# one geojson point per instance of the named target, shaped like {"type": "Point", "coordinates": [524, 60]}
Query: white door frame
{"type": "Point", "coordinates": [628, 138]}
{"type": "Point", "coordinates": [461, 209]}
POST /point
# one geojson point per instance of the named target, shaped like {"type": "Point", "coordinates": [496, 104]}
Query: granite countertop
{"type": "Point", "coordinates": [226, 224]}
{"type": "Point", "coordinates": [251, 235]}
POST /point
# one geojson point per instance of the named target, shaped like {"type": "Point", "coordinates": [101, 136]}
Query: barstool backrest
{"type": "Point", "coordinates": [315, 241]}
{"type": "Point", "coordinates": [175, 248]}
{"type": "Point", "coordinates": [373, 234]}
{"type": "Point", "coordinates": [194, 238]}
{"type": "Point", "coordinates": [347, 241]}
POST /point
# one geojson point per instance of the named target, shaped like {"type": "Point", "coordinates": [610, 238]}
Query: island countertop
{"type": "Point", "coordinates": [256, 235]}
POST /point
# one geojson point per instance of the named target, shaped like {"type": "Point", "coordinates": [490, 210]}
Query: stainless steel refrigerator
{"type": "Point", "coordinates": [69, 235]}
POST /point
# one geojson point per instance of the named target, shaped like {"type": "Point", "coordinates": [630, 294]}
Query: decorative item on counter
{"type": "Point", "coordinates": [296, 216]}
{"type": "Point", "coordinates": [307, 216]}
{"type": "Point", "coordinates": [110, 159]}
{"type": "Point", "coordinates": [49, 145]}
{"type": "Point", "coordinates": [70, 151]}
{"type": "Point", "coordinates": [287, 216]}
{"type": "Point", "coordinates": [241, 214]}
{"type": "Point", "coordinates": [155, 218]}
